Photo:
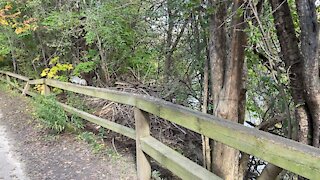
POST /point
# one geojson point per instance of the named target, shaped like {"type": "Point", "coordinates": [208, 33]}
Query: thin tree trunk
{"type": "Point", "coordinates": [14, 61]}
{"type": "Point", "coordinates": [205, 140]}
{"type": "Point", "coordinates": [168, 61]}
{"type": "Point", "coordinates": [244, 160]}
{"type": "Point", "coordinates": [104, 68]}
{"type": "Point", "coordinates": [206, 150]}
{"type": "Point", "coordinates": [43, 52]}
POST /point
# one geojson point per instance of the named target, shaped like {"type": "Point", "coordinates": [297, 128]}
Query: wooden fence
{"type": "Point", "coordinates": [301, 159]}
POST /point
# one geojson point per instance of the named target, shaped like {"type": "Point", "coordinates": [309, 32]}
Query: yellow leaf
{"type": "Point", "coordinates": [40, 88]}
{"type": "Point", "coordinates": [3, 22]}
{"type": "Point", "coordinates": [59, 66]}
{"type": "Point", "coordinates": [19, 30]}
{"type": "Point", "coordinates": [44, 72]}
{"type": "Point", "coordinates": [50, 75]}
{"type": "Point", "coordinates": [14, 25]}
{"type": "Point", "coordinates": [8, 7]}
{"type": "Point", "coordinates": [54, 70]}
{"type": "Point", "coordinates": [54, 60]}
{"type": "Point", "coordinates": [70, 67]}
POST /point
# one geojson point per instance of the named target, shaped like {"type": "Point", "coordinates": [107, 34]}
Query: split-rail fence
{"type": "Point", "coordinates": [301, 159]}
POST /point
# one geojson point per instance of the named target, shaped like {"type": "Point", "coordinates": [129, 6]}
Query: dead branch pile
{"type": "Point", "coordinates": [178, 138]}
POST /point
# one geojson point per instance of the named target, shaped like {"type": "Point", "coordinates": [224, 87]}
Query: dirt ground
{"type": "Point", "coordinates": [40, 156]}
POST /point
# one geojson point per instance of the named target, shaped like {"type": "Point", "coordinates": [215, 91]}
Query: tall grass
{"type": "Point", "coordinates": [50, 113]}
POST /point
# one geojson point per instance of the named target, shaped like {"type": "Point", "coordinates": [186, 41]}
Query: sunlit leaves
{"type": "Point", "coordinates": [3, 22]}
{"type": "Point", "coordinates": [12, 18]}
{"type": "Point", "coordinates": [57, 70]}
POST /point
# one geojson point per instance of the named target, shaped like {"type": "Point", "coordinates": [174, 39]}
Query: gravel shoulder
{"type": "Point", "coordinates": [37, 155]}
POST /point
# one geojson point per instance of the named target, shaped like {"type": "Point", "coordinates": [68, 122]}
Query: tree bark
{"type": "Point", "coordinates": [226, 77]}
{"type": "Point", "coordinates": [103, 59]}
{"type": "Point", "coordinates": [291, 56]}
{"type": "Point", "coordinates": [13, 56]}
{"type": "Point", "coordinates": [168, 61]}
{"type": "Point", "coordinates": [205, 140]}
{"type": "Point", "coordinates": [270, 172]}
{"type": "Point", "coordinates": [310, 55]}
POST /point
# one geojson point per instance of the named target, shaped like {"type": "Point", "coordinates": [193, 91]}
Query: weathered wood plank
{"type": "Point", "coordinates": [100, 121]}
{"type": "Point", "coordinates": [17, 76]}
{"type": "Point", "coordinates": [175, 162]}
{"type": "Point", "coordinates": [8, 78]}
{"type": "Point", "coordinates": [32, 94]}
{"type": "Point", "coordinates": [293, 156]}
{"type": "Point", "coordinates": [142, 123]}
{"type": "Point", "coordinates": [36, 81]}
{"type": "Point", "coordinates": [116, 96]}
{"type": "Point", "coordinates": [26, 88]}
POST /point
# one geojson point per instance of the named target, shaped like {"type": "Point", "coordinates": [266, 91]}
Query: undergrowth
{"type": "Point", "coordinates": [54, 117]}
{"type": "Point", "coordinates": [76, 101]}
{"type": "Point", "coordinates": [3, 86]}
{"type": "Point", "coordinates": [50, 113]}
{"type": "Point", "coordinates": [7, 87]}
{"type": "Point", "coordinates": [97, 145]}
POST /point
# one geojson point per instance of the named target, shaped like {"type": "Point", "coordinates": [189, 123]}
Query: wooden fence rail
{"type": "Point", "coordinates": [287, 154]}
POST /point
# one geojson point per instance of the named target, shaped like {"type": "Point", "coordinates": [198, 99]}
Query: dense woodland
{"type": "Point", "coordinates": [255, 62]}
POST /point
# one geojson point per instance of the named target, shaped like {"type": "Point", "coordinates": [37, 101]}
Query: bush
{"type": "Point", "coordinates": [49, 112]}
{"type": "Point", "coordinates": [84, 67]}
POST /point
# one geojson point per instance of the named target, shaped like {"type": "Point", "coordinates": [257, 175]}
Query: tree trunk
{"type": "Point", "coordinates": [168, 60]}
{"type": "Point", "coordinates": [205, 140]}
{"type": "Point", "coordinates": [270, 172]}
{"type": "Point", "coordinates": [291, 56]}
{"type": "Point", "coordinates": [14, 61]}
{"type": "Point", "coordinates": [104, 67]}
{"type": "Point", "coordinates": [304, 81]}
{"type": "Point", "coordinates": [226, 77]}
{"type": "Point", "coordinates": [310, 54]}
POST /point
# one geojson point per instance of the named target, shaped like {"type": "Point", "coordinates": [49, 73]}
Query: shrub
{"type": "Point", "coordinates": [84, 67]}
{"type": "Point", "coordinates": [49, 112]}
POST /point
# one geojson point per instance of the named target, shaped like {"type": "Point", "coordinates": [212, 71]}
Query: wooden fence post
{"type": "Point", "coordinates": [8, 78]}
{"type": "Point", "coordinates": [26, 88]}
{"type": "Point", "coordinates": [46, 89]}
{"type": "Point", "coordinates": [142, 122]}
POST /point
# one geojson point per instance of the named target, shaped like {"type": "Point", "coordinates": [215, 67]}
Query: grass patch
{"type": "Point", "coordinates": [8, 88]}
{"type": "Point", "coordinates": [97, 144]}
{"type": "Point", "coordinates": [50, 113]}
{"type": "Point", "coordinates": [92, 140]}
{"type": "Point", "coordinates": [54, 117]}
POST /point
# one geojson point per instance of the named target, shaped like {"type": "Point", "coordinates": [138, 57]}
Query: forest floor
{"type": "Point", "coordinates": [27, 151]}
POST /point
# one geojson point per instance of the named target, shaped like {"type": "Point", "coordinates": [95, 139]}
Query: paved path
{"type": "Point", "coordinates": [10, 167]}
